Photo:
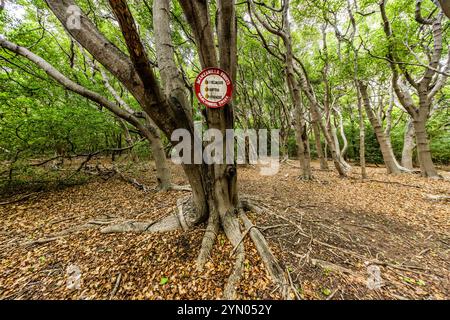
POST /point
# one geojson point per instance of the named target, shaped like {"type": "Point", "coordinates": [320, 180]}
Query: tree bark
{"type": "Point", "coordinates": [362, 135]}
{"type": "Point", "coordinates": [427, 167]}
{"type": "Point", "coordinates": [302, 144]}
{"type": "Point", "coordinates": [294, 89]}
{"type": "Point", "coordinates": [319, 149]}
{"type": "Point", "coordinates": [425, 89]}
{"type": "Point", "coordinates": [390, 162]}
{"type": "Point", "coordinates": [214, 187]}
{"type": "Point", "coordinates": [408, 145]}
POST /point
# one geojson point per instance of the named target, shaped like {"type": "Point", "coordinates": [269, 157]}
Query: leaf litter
{"type": "Point", "coordinates": [325, 233]}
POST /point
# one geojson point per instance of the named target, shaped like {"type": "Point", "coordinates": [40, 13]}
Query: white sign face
{"type": "Point", "coordinates": [213, 88]}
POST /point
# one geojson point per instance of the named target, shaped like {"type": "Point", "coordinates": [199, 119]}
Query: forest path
{"type": "Point", "coordinates": [335, 229]}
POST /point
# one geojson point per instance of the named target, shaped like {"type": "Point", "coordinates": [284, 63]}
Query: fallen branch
{"type": "Point", "coordinates": [433, 197]}
{"type": "Point", "coordinates": [19, 199]}
{"type": "Point", "coordinates": [133, 181]}
{"type": "Point", "coordinates": [330, 266]}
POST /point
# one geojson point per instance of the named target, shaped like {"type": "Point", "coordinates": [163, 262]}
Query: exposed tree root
{"type": "Point", "coordinates": [330, 266]}
{"type": "Point", "coordinates": [169, 223]}
{"type": "Point", "coordinates": [230, 222]}
{"type": "Point", "coordinates": [271, 263]}
{"type": "Point", "coordinates": [175, 187]}
{"type": "Point", "coordinates": [231, 226]}
{"type": "Point", "coordinates": [434, 197]}
{"type": "Point", "coordinates": [24, 197]}
{"type": "Point", "coordinates": [89, 225]}
{"type": "Point", "coordinates": [180, 219]}
{"type": "Point", "coordinates": [212, 230]}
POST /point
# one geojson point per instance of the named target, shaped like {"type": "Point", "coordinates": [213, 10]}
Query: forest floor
{"type": "Point", "coordinates": [331, 235]}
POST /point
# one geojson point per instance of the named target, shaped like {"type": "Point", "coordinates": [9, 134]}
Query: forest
{"type": "Point", "coordinates": [224, 149]}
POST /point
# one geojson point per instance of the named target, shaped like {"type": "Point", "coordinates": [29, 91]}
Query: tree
{"type": "Point", "coordinates": [432, 80]}
{"type": "Point", "coordinates": [214, 187]}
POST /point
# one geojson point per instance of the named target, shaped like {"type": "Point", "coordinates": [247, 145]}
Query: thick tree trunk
{"type": "Point", "coordinates": [408, 145]}
{"type": "Point", "coordinates": [423, 149]}
{"type": "Point", "coordinates": [390, 162]}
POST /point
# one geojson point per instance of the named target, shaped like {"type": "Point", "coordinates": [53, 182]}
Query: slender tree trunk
{"type": "Point", "coordinates": [408, 145]}
{"type": "Point", "coordinates": [333, 132]}
{"type": "Point", "coordinates": [342, 133]}
{"type": "Point", "coordinates": [302, 144]}
{"type": "Point", "coordinates": [129, 140]}
{"type": "Point", "coordinates": [320, 151]}
{"type": "Point", "coordinates": [362, 136]}
{"type": "Point", "coordinates": [294, 89]}
{"type": "Point", "coordinates": [390, 162]}
{"type": "Point", "coordinates": [163, 174]}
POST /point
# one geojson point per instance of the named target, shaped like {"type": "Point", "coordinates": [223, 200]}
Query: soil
{"type": "Point", "coordinates": [381, 238]}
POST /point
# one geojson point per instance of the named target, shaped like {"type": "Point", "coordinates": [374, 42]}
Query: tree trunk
{"type": "Point", "coordinates": [302, 144]}
{"type": "Point", "coordinates": [214, 186]}
{"type": "Point", "coordinates": [342, 133]}
{"type": "Point", "coordinates": [423, 149]}
{"type": "Point", "coordinates": [129, 140]}
{"type": "Point", "coordinates": [408, 145]}
{"type": "Point", "coordinates": [320, 151]}
{"type": "Point", "coordinates": [294, 90]}
{"type": "Point", "coordinates": [390, 162]}
{"type": "Point", "coordinates": [362, 135]}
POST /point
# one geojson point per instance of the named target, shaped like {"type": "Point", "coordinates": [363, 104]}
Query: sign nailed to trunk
{"type": "Point", "coordinates": [213, 88]}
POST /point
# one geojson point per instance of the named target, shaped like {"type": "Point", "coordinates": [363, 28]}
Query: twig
{"type": "Point", "coordinates": [116, 286]}
{"type": "Point", "coordinates": [292, 285]}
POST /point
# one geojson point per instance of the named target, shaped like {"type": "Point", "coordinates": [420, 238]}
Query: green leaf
{"type": "Point", "coordinates": [164, 280]}
{"type": "Point", "coordinates": [420, 282]}
{"type": "Point", "coordinates": [326, 291]}
{"type": "Point", "coordinates": [409, 280]}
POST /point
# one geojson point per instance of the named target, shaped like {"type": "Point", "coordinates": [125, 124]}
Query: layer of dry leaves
{"type": "Point", "coordinates": [337, 227]}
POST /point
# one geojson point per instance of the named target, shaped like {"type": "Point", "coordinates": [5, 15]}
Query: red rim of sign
{"type": "Point", "coordinates": [202, 76]}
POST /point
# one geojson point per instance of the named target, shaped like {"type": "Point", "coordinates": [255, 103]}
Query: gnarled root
{"type": "Point", "coordinates": [166, 224]}
{"type": "Point", "coordinates": [179, 220]}
{"type": "Point", "coordinates": [212, 230]}
{"type": "Point", "coordinates": [230, 221]}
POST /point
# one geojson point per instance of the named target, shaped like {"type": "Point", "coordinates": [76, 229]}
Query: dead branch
{"type": "Point", "coordinates": [330, 266]}
{"type": "Point", "coordinates": [19, 199]}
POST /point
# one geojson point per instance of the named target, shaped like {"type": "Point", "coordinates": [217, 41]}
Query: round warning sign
{"type": "Point", "coordinates": [213, 88]}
